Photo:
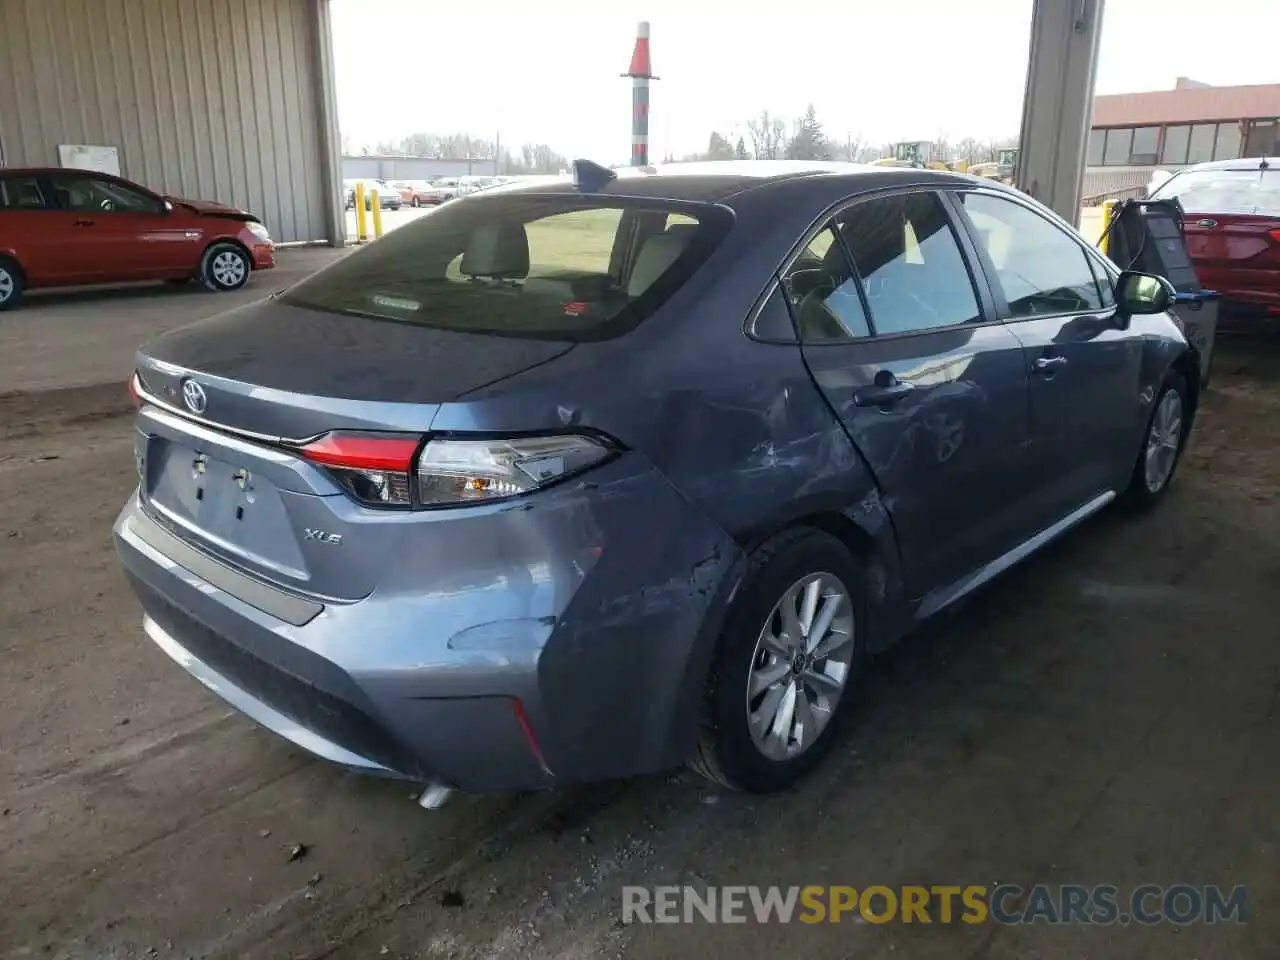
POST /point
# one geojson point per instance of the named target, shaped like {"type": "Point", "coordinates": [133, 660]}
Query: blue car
{"type": "Point", "coordinates": [594, 477]}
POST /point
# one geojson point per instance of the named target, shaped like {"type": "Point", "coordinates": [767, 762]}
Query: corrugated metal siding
{"type": "Point", "coordinates": [206, 99]}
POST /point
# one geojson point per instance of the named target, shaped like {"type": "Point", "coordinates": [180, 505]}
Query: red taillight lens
{"type": "Point", "coordinates": [1275, 235]}
{"type": "Point", "coordinates": [395, 469]}
{"type": "Point", "coordinates": [373, 468]}
{"type": "Point", "coordinates": [363, 451]}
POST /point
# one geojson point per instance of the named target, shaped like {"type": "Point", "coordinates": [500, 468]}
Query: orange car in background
{"type": "Point", "coordinates": [61, 227]}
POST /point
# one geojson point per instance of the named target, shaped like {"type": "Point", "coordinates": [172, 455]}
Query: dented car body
{"type": "Point", "coordinates": [480, 523]}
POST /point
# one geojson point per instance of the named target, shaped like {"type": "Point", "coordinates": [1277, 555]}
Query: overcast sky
{"type": "Point", "coordinates": [547, 70]}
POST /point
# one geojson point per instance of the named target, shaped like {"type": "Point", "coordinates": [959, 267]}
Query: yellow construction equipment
{"type": "Point", "coordinates": [912, 153]}
{"type": "Point", "coordinates": [1003, 168]}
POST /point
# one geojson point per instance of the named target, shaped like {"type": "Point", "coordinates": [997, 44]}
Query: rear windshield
{"type": "Point", "coordinates": [562, 267]}
{"type": "Point", "coordinates": [1253, 192]}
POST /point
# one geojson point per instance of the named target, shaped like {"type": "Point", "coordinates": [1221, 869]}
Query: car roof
{"type": "Point", "coordinates": [718, 180]}
{"type": "Point", "coordinates": [1243, 163]}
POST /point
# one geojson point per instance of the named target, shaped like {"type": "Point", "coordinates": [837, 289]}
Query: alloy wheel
{"type": "Point", "coordinates": [7, 285]}
{"type": "Point", "coordinates": [1163, 440]}
{"type": "Point", "coordinates": [228, 269]}
{"type": "Point", "coordinates": [800, 666]}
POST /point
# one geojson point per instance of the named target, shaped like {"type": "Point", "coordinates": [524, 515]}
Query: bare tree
{"type": "Point", "coordinates": [970, 150]}
{"type": "Point", "coordinates": [809, 141]}
{"type": "Point", "coordinates": [537, 158]}
{"type": "Point", "coordinates": [852, 147]}
{"type": "Point", "coordinates": [768, 135]}
{"type": "Point", "coordinates": [718, 147]}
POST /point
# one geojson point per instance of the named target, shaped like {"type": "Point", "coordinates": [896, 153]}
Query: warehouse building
{"type": "Point", "coordinates": [227, 100]}
{"type": "Point", "coordinates": [1135, 134]}
{"type": "Point", "coordinates": [233, 101]}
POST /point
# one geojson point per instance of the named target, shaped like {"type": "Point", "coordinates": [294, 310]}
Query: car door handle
{"type": "Point", "coordinates": [883, 394]}
{"type": "Point", "coordinates": [1048, 364]}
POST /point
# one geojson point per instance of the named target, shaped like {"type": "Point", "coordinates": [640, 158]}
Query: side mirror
{"type": "Point", "coordinates": [1143, 293]}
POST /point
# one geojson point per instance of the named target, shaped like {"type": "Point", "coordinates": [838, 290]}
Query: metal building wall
{"type": "Point", "coordinates": [206, 99]}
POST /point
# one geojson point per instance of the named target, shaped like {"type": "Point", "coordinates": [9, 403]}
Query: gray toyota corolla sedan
{"type": "Point", "coordinates": [586, 479]}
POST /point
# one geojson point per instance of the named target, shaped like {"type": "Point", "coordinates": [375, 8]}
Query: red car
{"type": "Point", "coordinates": [62, 227]}
{"type": "Point", "coordinates": [1233, 229]}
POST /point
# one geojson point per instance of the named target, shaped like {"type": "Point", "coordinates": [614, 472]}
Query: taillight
{"type": "Point", "coordinates": [389, 470]}
{"type": "Point", "coordinates": [1275, 235]}
{"type": "Point", "coordinates": [373, 468]}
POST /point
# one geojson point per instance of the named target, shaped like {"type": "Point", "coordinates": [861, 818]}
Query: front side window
{"type": "Point", "coordinates": [823, 294]}
{"type": "Point", "coordinates": [1041, 269]}
{"type": "Point", "coordinates": [539, 266]}
{"type": "Point", "coordinates": [21, 193]}
{"type": "Point", "coordinates": [1103, 278]}
{"type": "Point", "coordinates": [910, 264]}
{"type": "Point", "coordinates": [88, 194]}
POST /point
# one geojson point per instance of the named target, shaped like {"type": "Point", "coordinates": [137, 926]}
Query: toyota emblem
{"type": "Point", "coordinates": [193, 396]}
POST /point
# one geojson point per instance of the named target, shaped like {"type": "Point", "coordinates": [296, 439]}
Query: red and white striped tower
{"type": "Point", "coordinates": [641, 73]}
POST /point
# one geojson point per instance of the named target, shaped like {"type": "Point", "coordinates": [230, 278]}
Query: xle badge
{"type": "Point", "coordinates": [334, 539]}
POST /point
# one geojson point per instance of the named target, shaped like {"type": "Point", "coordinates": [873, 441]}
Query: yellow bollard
{"type": "Point", "coordinates": [377, 214]}
{"type": "Point", "coordinates": [1104, 242]}
{"type": "Point", "coordinates": [362, 220]}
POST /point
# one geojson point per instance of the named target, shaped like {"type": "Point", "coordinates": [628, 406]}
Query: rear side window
{"type": "Point", "coordinates": [823, 294]}
{"type": "Point", "coordinates": [21, 193]}
{"type": "Point", "coordinates": [1249, 192]}
{"type": "Point", "coordinates": [538, 266]}
{"type": "Point", "coordinates": [910, 263]}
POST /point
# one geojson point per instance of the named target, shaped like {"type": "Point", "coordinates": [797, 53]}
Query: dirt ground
{"type": "Point", "coordinates": [1107, 713]}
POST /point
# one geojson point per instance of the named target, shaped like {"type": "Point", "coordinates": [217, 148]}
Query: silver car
{"type": "Point", "coordinates": [579, 480]}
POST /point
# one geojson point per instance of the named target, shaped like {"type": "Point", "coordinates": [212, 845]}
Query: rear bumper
{"type": "Point", "coordinates": [438, 691]}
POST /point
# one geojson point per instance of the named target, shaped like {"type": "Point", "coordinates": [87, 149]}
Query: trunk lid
{"type": "Point", "coordinates": [281, 371]}
{"type": "Point", "coordinates": [215, 466]}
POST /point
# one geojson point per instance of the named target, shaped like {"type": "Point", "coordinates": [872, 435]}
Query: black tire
{"type": "Point", "coordinates": [12, 284]}
{"type": "Point", "coordinates": [1141, 492]}
{"type": "Point", "coordinates": [417, 202]}
{"type": "Point", "coordinates": [216, 272]}
{"type": "Point", "coordinates": [726, 752]}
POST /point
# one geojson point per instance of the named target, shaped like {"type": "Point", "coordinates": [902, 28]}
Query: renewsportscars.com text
{"type": "Point", "coordinates": [1103, 904]}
